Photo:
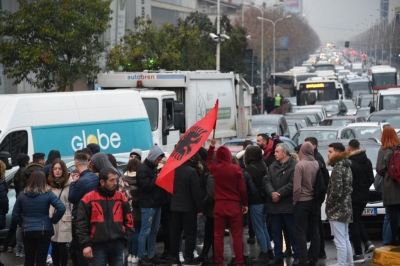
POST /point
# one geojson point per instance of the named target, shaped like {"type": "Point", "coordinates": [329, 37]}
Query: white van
{"type": "Point", "coordinates": [67, 121]}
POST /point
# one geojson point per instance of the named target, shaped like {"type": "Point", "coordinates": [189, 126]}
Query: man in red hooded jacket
{"type": "Point", "coordinates": [230, 201]}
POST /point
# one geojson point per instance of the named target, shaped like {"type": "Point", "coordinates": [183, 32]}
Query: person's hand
{"type": "Point", "coordinates": [87, 252]}
{"type": "Point", "coordinates": [245, 209]}
{"type": "Point", "coordinates": [275, 196]}
{"type": "Point", "coordinates": [75, 176]}
{"type": "Point", "coordinates": [200, 214]}
{"type": "Point", "coordinates": [213, 141]}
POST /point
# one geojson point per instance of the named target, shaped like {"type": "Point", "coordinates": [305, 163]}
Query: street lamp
{"type": "Point", "coordinates": [262, 50]}
{"type": "Point", "coordinates": [273, 47]}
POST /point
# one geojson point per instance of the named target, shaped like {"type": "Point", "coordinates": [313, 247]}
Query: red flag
{"type": "Point", "coordinates": [187, 146]}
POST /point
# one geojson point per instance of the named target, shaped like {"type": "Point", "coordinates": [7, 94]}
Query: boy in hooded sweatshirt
{"type": "Point", "coordinates": [151, 198]}
{"type": "Point", "coordinates": [305, 208]}
{"type": "Point", "coordinates": [230, 201]}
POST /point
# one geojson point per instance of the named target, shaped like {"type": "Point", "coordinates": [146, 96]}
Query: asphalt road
{"type": "Point", "coordinates": [10, 259]}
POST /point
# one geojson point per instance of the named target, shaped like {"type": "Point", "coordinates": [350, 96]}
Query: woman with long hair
{"type": "Point", "coordinates": [59, 180]}
{"type": "Point", "coordinates": [391, 189]}
{"type": "Point", "coordinates": [31, 212]}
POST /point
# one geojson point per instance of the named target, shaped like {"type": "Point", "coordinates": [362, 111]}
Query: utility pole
{"type": "Point", "coordinates": [218, 34]}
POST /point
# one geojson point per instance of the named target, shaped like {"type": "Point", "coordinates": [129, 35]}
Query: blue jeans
{"type": "Point", "coordinates": [150, 224]}
{"type": "Point", "coordinates": [277, 222]}
{"type": "Point", "coordinates": [133, 242]}
{"type": "Point", "coordinates": [111, 253]}
{"type": "Point", "coordinates": [340, 232]}
{"type": "Point", "coordinates": [259, 221]}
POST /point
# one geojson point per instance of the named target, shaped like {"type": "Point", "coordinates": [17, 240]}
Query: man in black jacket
{"type": "Point", "coordinates": [320, 159]}
{"type": "Point", "coordinates": [363, 177]}
{"type": "Point", "coordinates": [186, 204]}
{"type": "Point", "coordinates": [151, 198]}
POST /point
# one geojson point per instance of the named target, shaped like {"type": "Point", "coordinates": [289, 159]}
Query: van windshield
{"type": "Point", "coordinates": [263, 128]}
{"type": "Point", "coordinates": [151, 105]}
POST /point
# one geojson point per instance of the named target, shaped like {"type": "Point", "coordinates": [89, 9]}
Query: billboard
{"type": "Point", "coordinates": [293, 6]}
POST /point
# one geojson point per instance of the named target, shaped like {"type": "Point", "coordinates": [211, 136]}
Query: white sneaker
{"type": "Point", "coordinates": [49, 259]}
{"type": "Point", "coordinates": [135, 260]}
{"type": "Point", "coordinates": [195, 254]}
{"type": "Point", "coordinates": [181, 257]}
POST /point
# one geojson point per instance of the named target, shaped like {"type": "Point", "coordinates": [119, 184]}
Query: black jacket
{"type": "Point", "coordinates": [319, 157]}
{"type": "Point", "coordinates": [363, 176]}
{"type": "Point", "coordinates": [187, 195]}
{"type": "Point", "coordinates": [3, 204]}
{"type": "Point", "coordinates": [150, 195]}
{"type": "Point", "coordinates": [256, 168]}
{"type": "Point", "coordinates": [280, 179]}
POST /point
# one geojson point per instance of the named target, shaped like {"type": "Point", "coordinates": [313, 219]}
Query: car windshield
{"type": "Point", "coordinates": [390, 102]}
{"type": "Point", "coordinates": [292, 130]}
{"type": "Point", "coordinates": [393, 120]}
{"type": "Point", "coordinates": [363, 113]}
{"type": "Point", "coordinates": [330, 107]}
{"type": "Point", "coordinates": [263, 128]}
{"type": "Point", "coordinates": [372, 153]}
{"type": "Point", "coordinates": [336, 122]}
{"type": "Point", "coordinates": [350, 105]}
{"type": "Point", "coordinates": [324, 67]}
{"type": "Point", "coordinates": [319, 134]}
{"type": "Point", "coordinates": [365, 102]}
{"type": "Point", "coordinates": [301, 121]}
{"type": "Point", "coordinates": [367, 132]}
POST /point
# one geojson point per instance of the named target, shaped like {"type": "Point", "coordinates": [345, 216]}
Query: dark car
{"type": "Point", "coordinates": [341, 120]}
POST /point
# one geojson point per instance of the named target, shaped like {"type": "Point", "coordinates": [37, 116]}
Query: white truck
{"type": "Point", "coordinates": [197, 90]}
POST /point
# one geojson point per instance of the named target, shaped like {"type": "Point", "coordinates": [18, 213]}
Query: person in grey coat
{"type": "Point", "coordinates": [280, 200]}
{"type": "Point", "coordinates": [391, 189]}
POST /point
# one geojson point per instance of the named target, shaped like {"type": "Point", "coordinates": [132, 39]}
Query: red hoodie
{"type": "Point", "coordinates": [228, 178]}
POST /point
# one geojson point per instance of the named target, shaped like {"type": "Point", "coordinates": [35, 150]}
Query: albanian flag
{"type": "Point", "coordinates": [187, 146]}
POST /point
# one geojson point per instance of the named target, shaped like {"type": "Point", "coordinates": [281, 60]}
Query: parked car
{"type": "Point", "coordinates": [341, 120]}
{"type": "Point", "coordinates": [366, 130]}
{"type": "Point", "coordinates": [336, 107]}
{"type": "Point", "coordinates": [293, 128]}
{"type": "Point", "coordinates": [236, 145]}
{"type": "Point", "coordinates": [351, 107]}
{"type": "Point", "coordinates": [374, 212]}
{"type": "Point", "coordinates": [324, 133]}
{"type": "Point", "coordinates": [390, 116]}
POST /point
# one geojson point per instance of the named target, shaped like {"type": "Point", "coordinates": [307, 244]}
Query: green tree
{"type": "Point", "coordinates": [57, 41]}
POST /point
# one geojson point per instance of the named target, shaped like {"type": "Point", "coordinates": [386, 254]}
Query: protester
{"type": "Point", "coordinates": [82, 183]}
{"type": "Point", "coordinates": [151, 198]}
{"type": "Point", "coordinates": [130, 190]}
{"type": "Point", "coordinates": [3, 198]}
{"type": "Point", "coordinates": [338, 202]}
{"type": "Point", "coordinates": [136, 154]}
{"type": "Point", "coordinates": [104, 221]}
{"type": "Point", "coordinates": [391, 189]}
{"type": "Point", "coordinates": [59, 182]}
{"type": "Point", "coordinates": [53, 154]}
{"type": "Point", "coordinates": [280, 202]}
{"type": "Point", "coordinates": [31, 211]}
{"type": "Point", "coordinates": [257, 169]}
{"type": "Point", "coordinates": [363, 178]}
{"type": "Point", "coordinates": [230, 201]}
{"type": "Point", "coordinates": [186, 204]}
{"type": "Point", "coordinates": [100, 160]}
{"type": "Point", "coordinates": [304, 206]}
{"type": "Point", "coordinates": [94, 148]}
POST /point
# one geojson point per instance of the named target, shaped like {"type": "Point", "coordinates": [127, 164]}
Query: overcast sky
{"type": "Point", "coordinates": [337, 20]}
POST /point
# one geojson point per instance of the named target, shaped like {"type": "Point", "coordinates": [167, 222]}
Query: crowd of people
{"type": "Point", "coordinates": [93, 213]}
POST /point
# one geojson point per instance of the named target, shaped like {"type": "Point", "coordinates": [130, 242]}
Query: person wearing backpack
{"type": "Point", "coordinates": [305, 209]}
{"type": "Point", "coordinates": [391, 188]}
{"type": "Point", "coordinates": [280, 202]}
{"type": "Point", "coordinates": [363, 177]}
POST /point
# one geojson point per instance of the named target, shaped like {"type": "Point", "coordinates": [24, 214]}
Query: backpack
{"type": "Point", "coordinates": [321, 183]}
{"type": "Point", "coordinates": [394, 165]}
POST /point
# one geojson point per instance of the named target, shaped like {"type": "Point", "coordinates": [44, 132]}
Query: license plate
{"type": "Point", "coordinates": [369, 212]}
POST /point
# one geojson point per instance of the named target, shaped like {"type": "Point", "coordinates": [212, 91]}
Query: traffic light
{"type": "Point", "coordinates": [347, 44]}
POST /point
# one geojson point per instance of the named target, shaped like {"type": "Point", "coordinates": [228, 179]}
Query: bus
{"type": "Point", "coordinates": [382, 77]}
{"type": "Point", "coordinates": [318, 89]}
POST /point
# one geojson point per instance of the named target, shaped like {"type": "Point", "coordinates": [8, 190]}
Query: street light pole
{"type": "Point", "coordinates": [218, 33]}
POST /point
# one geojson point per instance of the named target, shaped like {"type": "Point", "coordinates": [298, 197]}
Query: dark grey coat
{"type": "Point", "coordinates": [391, 189]}
{"type": "Point", "coordinates": [280, 179]}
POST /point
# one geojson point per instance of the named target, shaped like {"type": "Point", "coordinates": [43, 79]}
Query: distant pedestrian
{"type": "Point", "coordinates": [136, 154]}
{"type": "Point", "coordinates": [363, 178]}
{"type": "Point", "coordinates": [53, 154]}
{"type": "Point", "coordinates": [31, 211]}
{"type": "Point", "coordinates": [230, 201]}
{"type": "Point", "coordinates": [278, 101]}
{"type": "Point", "coordinates": [391, 189]}
{"type": "Point", "coordinates": [104, 221]}
{"type": "Point", "coordinates": [338, 202]}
